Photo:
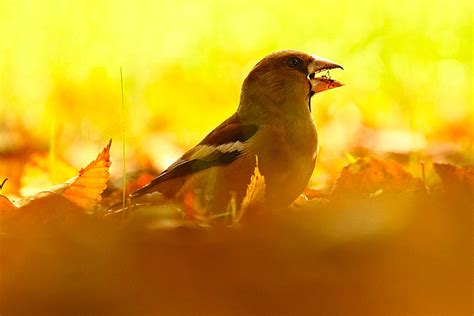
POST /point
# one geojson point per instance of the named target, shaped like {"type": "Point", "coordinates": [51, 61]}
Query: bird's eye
{"type": "Point", "coordinates": [294, 62]}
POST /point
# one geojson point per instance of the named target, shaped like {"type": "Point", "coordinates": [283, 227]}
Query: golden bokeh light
{"type": "Point", "coordinates": [407, 70]}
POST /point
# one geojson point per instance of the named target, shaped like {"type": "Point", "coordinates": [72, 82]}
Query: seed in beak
{"type": "Point", "coordinates": [327, 75]}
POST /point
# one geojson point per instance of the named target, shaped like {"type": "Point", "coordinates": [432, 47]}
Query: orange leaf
{"type": "Point", "coordinates": [370, 177]}
{"type": "Point", "coordinates": [457, 178]}
{"type": "Point", "coordinates": [255, 191]}
{"type": "Point", "coordinates": [85, 190]}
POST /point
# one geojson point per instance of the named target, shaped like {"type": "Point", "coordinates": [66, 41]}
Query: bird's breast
{"type": "Point", "coordinates": [287, 154]}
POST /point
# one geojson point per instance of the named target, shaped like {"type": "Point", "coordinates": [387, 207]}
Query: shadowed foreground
{"type": "Point", "coordinates": [394, 254]}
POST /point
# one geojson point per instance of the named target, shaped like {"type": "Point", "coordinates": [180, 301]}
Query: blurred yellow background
{"type": "Point", "coordinates": [408, 73]}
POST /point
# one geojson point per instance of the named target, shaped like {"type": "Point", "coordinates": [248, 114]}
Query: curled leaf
{"type": "Point", "coordinates": [85, 190]}
{"type": "Point", "coordinates": [255, 191]}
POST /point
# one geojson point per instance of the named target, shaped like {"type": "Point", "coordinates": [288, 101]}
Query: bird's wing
{"type": "Point", "coordinates": [222, 146]}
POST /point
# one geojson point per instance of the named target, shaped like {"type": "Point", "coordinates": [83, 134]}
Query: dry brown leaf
{"type": "Point", "coordinates": [41, 208]}
{"type": "Point", "coordinates": [86, 189]}
{"type": "Point", "coordinates": [369, 177]}
{"type": "Point", "coordinates": [456, 177]}
{"type": "Point", "coordinates": [255, 191]}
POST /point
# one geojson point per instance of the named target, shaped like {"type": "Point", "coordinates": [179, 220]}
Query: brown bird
{"type": "Point", "coordinates": [273, 122]}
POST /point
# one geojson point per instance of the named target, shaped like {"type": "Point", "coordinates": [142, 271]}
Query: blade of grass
{"type": "Point", "coordinates": [52, 148]}
{"type": "Point", "coordinates": [219, 215]}
{"type": "Point", "coordinates": [124, 171]}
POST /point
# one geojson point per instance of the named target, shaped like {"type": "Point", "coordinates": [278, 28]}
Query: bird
{"type": "Point", "coordinates": [273, 123]}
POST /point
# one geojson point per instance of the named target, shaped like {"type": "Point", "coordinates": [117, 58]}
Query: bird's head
{"type": "Point", "coordinates": [284, 82]}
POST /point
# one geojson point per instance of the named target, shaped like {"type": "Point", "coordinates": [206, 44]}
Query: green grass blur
{"type": "Point", "coordinates": [407, 70]}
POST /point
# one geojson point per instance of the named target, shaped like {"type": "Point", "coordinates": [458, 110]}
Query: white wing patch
{"type": "Point", "coordinates": [202, 151]}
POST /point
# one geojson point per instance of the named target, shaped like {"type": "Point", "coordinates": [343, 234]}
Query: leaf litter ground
{"type": "Point", "coordinates": [379, 241]}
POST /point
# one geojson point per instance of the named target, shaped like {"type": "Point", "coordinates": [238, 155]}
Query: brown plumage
{"type": "Point", "coordinates": [273, 121]}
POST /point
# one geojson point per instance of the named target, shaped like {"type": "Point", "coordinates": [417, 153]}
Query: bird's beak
{"type": "Point", "coordinates": [324, 82]}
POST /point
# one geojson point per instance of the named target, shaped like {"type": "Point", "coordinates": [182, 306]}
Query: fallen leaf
{"type": "Point", "coordinates": [41, 208]}
{"type": "Point", "coordinates": [255, 191]}
{"type": "Point", "coordinates": [370, 177]}
{"type": "Point", "coordinates": [454, 177]}
{"type": "Point", "coordinates": [86, 189]}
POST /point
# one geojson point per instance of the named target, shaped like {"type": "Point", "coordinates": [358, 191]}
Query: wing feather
{"type": "Point", "coordinates": [222, 146]}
